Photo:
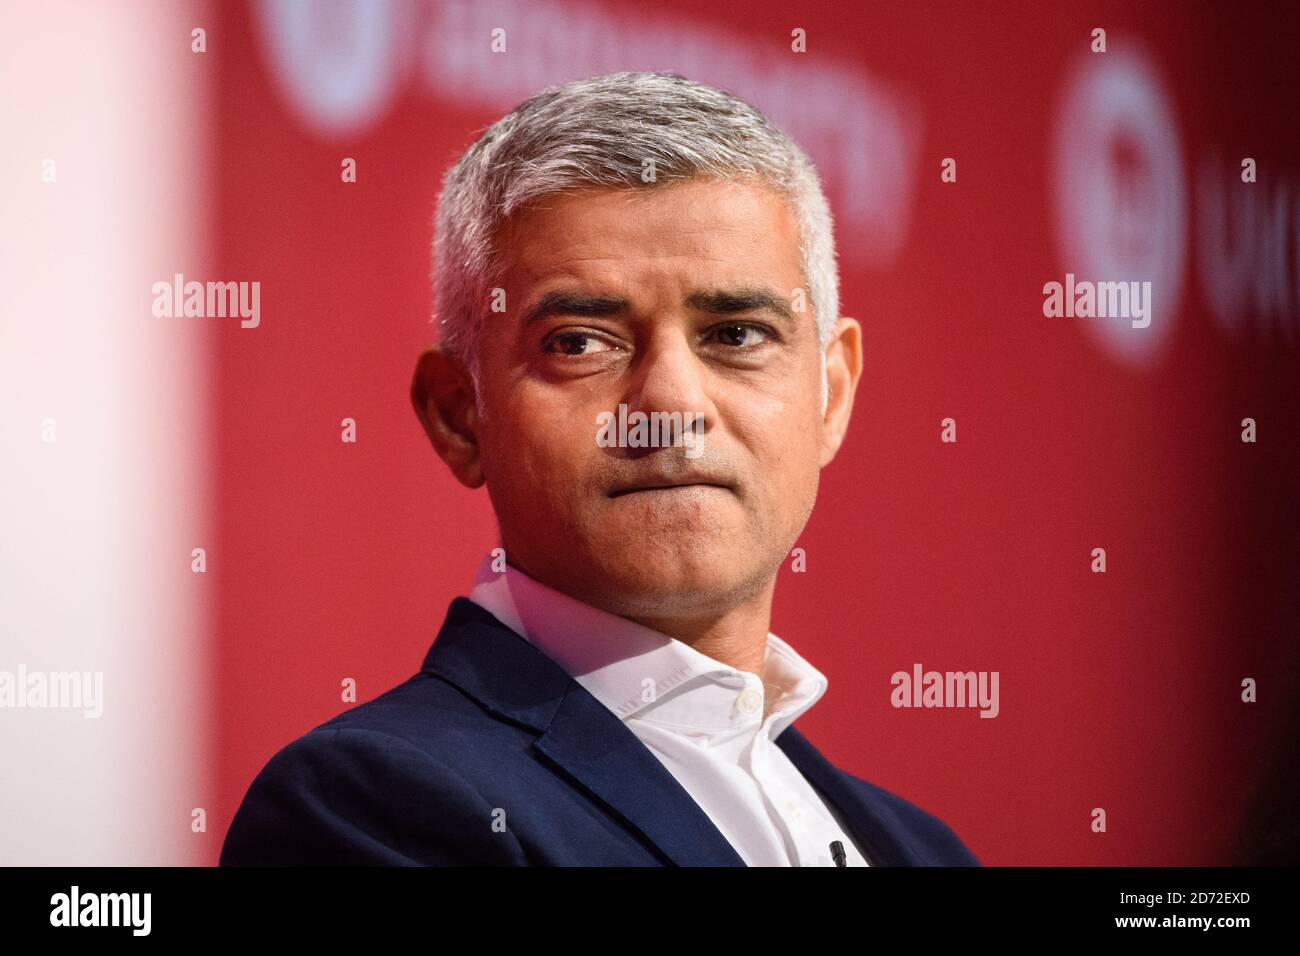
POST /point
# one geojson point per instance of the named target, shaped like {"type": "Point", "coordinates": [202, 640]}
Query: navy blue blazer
{"type": "Point", "coordinates": [492, 755]}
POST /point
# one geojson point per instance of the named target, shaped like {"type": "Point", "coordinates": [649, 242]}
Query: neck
{"type": "Point", "coordinates": [736, 637]}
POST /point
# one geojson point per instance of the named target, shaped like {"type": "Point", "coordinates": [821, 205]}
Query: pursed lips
{"type": "Point", "coordinates": [667, 485]}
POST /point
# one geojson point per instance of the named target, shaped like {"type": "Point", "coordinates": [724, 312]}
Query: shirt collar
{"type": "Point", "coordinates": [637, 671]}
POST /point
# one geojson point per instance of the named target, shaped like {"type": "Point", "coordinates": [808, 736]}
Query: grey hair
{"type": "Point", "coordinates": [599, 132]}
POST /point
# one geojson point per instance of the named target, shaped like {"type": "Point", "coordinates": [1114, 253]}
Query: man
{"type": "Point", "coordinates": [630, 245]}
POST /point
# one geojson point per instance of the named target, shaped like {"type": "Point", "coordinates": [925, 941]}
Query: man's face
{"type": "Point", "coordinates": [679, 298]}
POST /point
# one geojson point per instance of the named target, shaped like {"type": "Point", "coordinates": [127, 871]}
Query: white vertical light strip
{"type": "Point", "coordinates": [96, 526]}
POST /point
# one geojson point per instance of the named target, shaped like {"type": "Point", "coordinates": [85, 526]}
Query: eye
{"type": "Point", "coordinates": [737, 334]}
{"type": "Point", "coordinates": [575, 343]}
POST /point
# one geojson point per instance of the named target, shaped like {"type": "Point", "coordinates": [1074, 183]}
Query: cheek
{"type": "Point", "coordinates": [542, 459]}
{"type": "Point", "coordinates": [785, 450]}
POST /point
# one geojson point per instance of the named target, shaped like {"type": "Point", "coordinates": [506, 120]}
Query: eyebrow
{"type": "Point", "coordinates": [742, 299]}
{"type": "Point", "coordinates": [717, 301]}
{"type": "Point", "coordinates": [576, 303]}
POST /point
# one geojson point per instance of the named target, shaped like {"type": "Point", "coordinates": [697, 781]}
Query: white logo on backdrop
{"type": "Point", "coordinates": [339, 65]}
{"type": "Point", "coordinates": [334, 59]}
{"type": "Point", "coordinates": [1120, 205]}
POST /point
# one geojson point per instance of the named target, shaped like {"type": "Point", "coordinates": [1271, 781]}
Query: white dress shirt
{"type": "Point", "coordinates": [712, 726]}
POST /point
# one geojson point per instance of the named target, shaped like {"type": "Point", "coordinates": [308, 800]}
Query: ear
{"type": "Point", "coordinates": [443, 395]}
{"type": "Point", "coordinates": [843, 369]}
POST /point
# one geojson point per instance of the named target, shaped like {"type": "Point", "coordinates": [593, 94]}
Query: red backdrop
{"type": "Point", "coordinates": [1119, 690]}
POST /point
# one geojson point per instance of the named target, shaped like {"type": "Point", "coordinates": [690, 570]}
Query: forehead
{"type": "Point", "coordinates": [722, 229]}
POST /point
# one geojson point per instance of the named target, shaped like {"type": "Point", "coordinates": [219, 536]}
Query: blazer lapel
{"type": "Point", "coordinates": [516, 681]}
{"type": "Point", "coordinates": [877, 840]}
{"type": "Point", "coordinates": [596, 749]}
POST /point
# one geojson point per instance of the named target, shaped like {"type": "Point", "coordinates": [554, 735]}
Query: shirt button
{"type": "Point", "coordinates": [748, 701]}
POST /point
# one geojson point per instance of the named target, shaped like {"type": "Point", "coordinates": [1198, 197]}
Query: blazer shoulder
{"type": "Point", "coordinates": [348, 795]}
{"type": "Point", "coordinates": [935, 842]}
{"type": "Point", "coordinates": [425, 712]}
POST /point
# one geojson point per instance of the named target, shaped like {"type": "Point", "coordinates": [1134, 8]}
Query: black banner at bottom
{"type": "Point", "coordinates": [1228, 906]}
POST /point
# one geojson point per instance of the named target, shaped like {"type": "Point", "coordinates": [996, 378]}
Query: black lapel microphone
{"type": "Point", "coordinates": [837, 853]}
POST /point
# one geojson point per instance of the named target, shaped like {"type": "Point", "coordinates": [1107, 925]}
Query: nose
{"type": "Point", "coordinates": [668, 377]}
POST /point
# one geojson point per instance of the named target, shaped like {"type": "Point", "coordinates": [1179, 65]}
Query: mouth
{"type": "Point", "coordinates": [666, 488]}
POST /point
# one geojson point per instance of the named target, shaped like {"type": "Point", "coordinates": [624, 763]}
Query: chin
{"type": "Point", "coordinates": [644, 580]}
